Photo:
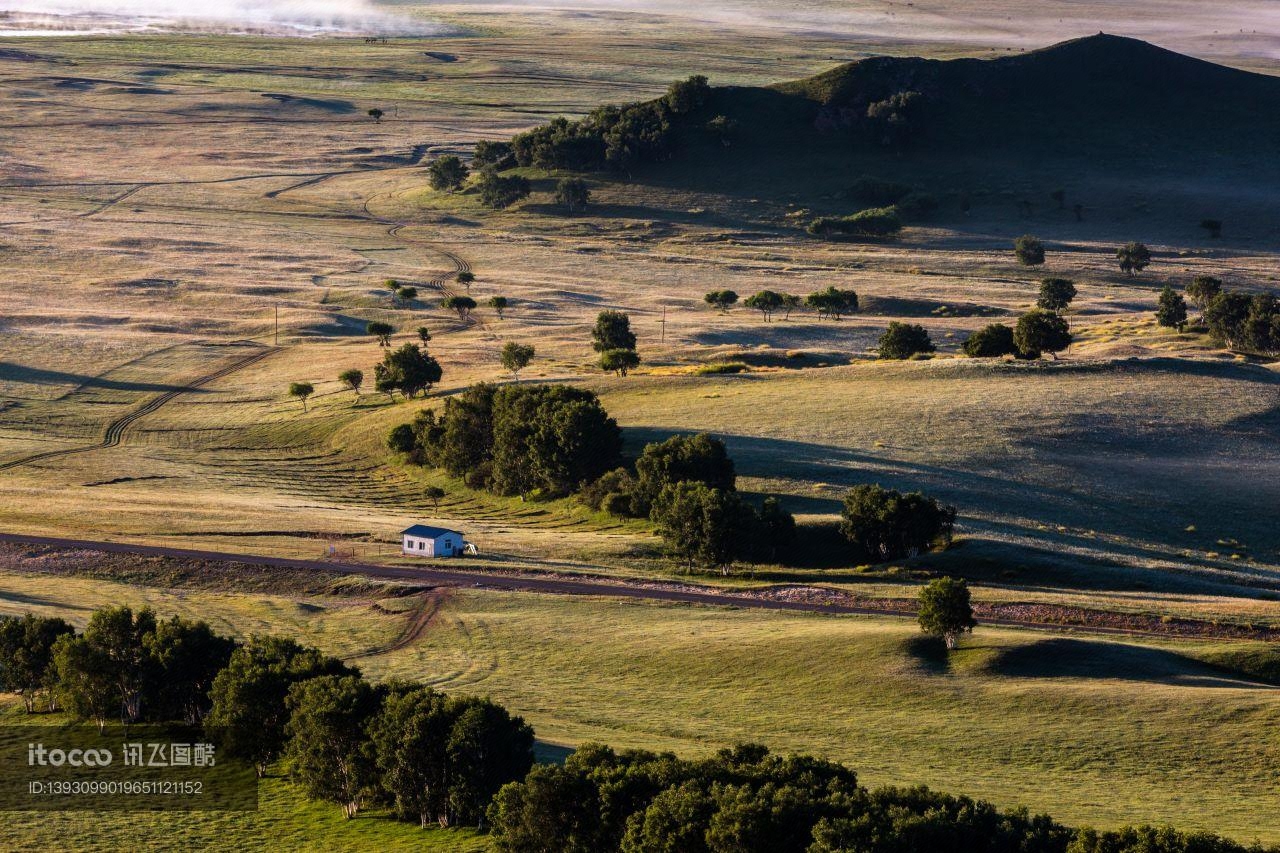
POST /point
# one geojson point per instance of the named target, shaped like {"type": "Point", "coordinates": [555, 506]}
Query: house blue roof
{"type": "Point", "coordinates": [426, 531]}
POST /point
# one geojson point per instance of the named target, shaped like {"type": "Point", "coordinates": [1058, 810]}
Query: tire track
{"type": "Point", "coordinates": [420, 619]}
{"type": "Point", "coordinates": [115, 431]}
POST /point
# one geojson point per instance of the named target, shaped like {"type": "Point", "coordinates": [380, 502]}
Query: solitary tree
{"type": "Point", "coordinates": [463, 305]}
{"type": "Point", "coordinates": [766, 302]}
{"type": "Point", "coordinates": [1213, 226]}
{"type": "Point", "coordinates": [1171, 309]}
{"type": "Point", "coordinates": [407, 294]}
{"type": "Point", "coordinates": [721, 299]}
{"type": "Point", "coordinates": [499, 305]}
{"type": "Point", "coordinates": [1202, 290]}
{"type": "Point", "coordinates": [381, 331]}
{"type": "Point", "coordinates": [612, 331]}
{"type": "Point", "coordinates": [435, 494]}
{"type": "Point", "coordinates": [424, 335]}
{"type": "Point", "coordinates": [1056, 293]}
{"type": "Point", "coordinates": [1029, 250]}
{"type": "Point", "coordinates": [392, 285]}
{"type": "Point", "coordinates": [499, 192]}
{"type": "Point", "coordinates": [516, 357]}
{"type": "Point", "coordinates": [619, 361]}
{"type": "Point", "coordinates": [301, 390]}
{"type": "Point", "coordinates": [990, 341]}
{"type": "Point", "coordinates": [888, 525]}
{"type": "Point", "coordinates": [1133, 258]}
{"type": "Point", "coordinates": [572, 194]}
{"type": "Point", "coordinates": [465, 278]}
{"type": "Point", "coordinates": [353, 379]}
{"type": "Point", "coordinates": [407, 369]}
{"type": "Point", "coordinates": [945, 610]}
{"type": "Point", "coordinates": [447, 173]}
{"type": "Point", "coordinates": [1039, 331]}
{"type": "Point", "coordinates": [376, 114]}
{"type": "Point", "coordinates": [903, 340]}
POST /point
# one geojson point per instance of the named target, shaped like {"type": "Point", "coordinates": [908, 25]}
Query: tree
{"type": "Point", "coordinates": [766, 302]}
{"type": "Point", "coordinates": [833, 302]}
{"type": "Point", "coordinates": [790, 302]}
{"type": "Point", "coordinates": [495, 154]}
{"type": "Point", "coordinates": [685, 96]}
{"type": "Point", "coordinates": [499, 305]}
{"type": "Point", "coordinates": [888, 525]}
{"type": "Point", "coordinates": [1039, 331]}
{"type": "Point", "coordinates": [487, 748]}
{"type": "Point", "coordinates": [721, 299]}
{"type": "Point", "coordinates": [108, 665]}
{"type": "Point", "coordinates": [83, 682]}
{"type": "Point", "coordinates": [248, 710]}
{"type": "Point", "coordinates": [500, 192]}
{"type": "Point", "coordinates": [553, 809]}
{"type": "Point", "coordinates": [376, 114]}
{"type": "Point", "coordinates": [465, 278]}
{"type": "Point", "coordinates": [381, 331]}
{"type": "Point", "coordinates": [408, 370]}
{"type": "Point", "coordinates": [329, 751]}
{"type": "Point", "coordinates": [990, 341]}
{"type": "Point", "coordinates": [410, 742]}
{"type": "Point", "coordinates": [407, 294]}
{"type": "Point", "coordinates": [435, 494]}
{"type": "Point", "coordinates": [1028, 250]}
{"type": "Point", "coordinates": [516, 357]}
{"type": "Point", "coordinates": [424, 335]}
{"type": "Point", "coordinates": [401, 439]}
{"type": "Point", "coordinates": [572, 193]}
{"type": "Point", "coordinates": [1226, 315]}
{"type": "Point", "coordinates": [392, 285]}
{"type": "Point", "coordinates": [301, 390]}
{"type": "Point", "coordinates": [703, 527]}
{"type": "Point", "coordinates": [188, 657]}
{"type": "Point", "coordinates": [463, 305]}
{"type": "Point", "coordinates": [26, 654]}
{"type": "Point", "coordinates": [1202, 290]}
{"type": "Point", "coordinates": [945, 610]}
{"type": "Point", "coordinates": [612, 331]}
{"type": "Point", "coordinates": [775, 530]}
{"type": "Point", "coordinates": [1056, 293]}
{"type": "Point", "coordinates": [353, 379]}
{"type": "Point", "coordinates": [1133, 258]}
{"type": "Point", "coordinates": [697, 458]}
{"type": "Point", "coordinates": [724, 129]}
{"type": "Point", "coordinates": [1171, 309]}
{"type": "Point", "coordinates": [619, 361]}
{"type": "Point", "coordinates": [903, 340]}
{"type": "Point", "coordinates": [1213, 226]}
{"type": "Point", "coordinates": [447, 173]}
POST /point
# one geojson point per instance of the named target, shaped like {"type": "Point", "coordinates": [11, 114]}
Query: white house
{"type": "Point", "coordinates": [422, 540]}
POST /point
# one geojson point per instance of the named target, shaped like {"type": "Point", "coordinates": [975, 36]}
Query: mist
{"type": "Point", "coordinates": [267, 17]}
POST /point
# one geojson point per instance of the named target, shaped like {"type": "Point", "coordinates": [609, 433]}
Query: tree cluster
{"type": "Point", "coordinates": [534, 440]}
{"type": "Point", "coordinates": [886, 524]}
{"type": "Point", "coordinates": [872, 222]}
{"type": "Point", "coordinates": [1247, 322]}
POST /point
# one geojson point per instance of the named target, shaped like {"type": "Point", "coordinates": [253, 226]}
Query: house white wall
{"type": "Point", "coordinates": [446, 545]}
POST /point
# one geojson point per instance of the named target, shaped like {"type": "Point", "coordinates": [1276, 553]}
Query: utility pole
{"type": "Point", "coordinates": [664, 324]}
{"type": "Point", "coordinates": [277, 330]}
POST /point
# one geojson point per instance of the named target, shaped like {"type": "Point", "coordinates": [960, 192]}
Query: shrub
{"type": "Point", "coordinates": [1056, 293]}
{"type": "Point", "coordinates": [1039, 331]}
{"type": "Point", "coordinates": [872, 222]}
{"type": "Point", "coordinates": [721, 367]}
{"type": "Point", "coordinates": [904, 340]}
{"type": "Point", "coordinates": [1029, 250]}
{"type": "Point", "coordinates": [500, 192]}
{"type": "Point", "coordinates": [887, 525]}
{"type": "Point", "coordinates": [990, 341]}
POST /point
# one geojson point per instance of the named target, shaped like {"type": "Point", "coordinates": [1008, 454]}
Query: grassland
{"type": "Point", "coordinates": [1139, 474]}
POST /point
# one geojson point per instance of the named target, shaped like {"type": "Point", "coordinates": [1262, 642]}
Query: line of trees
{"type": "Point", "coordinates": [748, 800]}
{"type": "Point", "coordinates": [431, 758]}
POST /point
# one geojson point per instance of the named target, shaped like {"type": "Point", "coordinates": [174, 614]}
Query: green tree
{"type": "Point", "coordinates": [675, 820]}
{"type": "Point", "coordinates": [424, 335]}
{"type": "Point", "coordinates": [1202, 290]}
{"type": "Point", "coordinates": [766, 302]}
{"type": "Point", "coordinates": [721, 299]}
{"type": "Point", "coordinates": [376, 114]}
{"type": "Point", "coordinates": [688, 95]}
{"type": "Point", "coordinates": [888, 525]}
{"type": "Point", "coordinates": [1039, 331]}
{"type": "Point", "coordinates": [447, 173]}
{"type": "Point", "coordinates": [499, 192]}
{"type": "Point", "coordinates": [572, 194]}
{"type": "Point", "coordinates": [407, 294]}
{"type": "Point", "coordinates": [435, 494]}
{"type": "Point", "coordinates": [790, 302]}
{"type": "Point", "coordinates": [83, 681]}
{"type": "Point", "coordinates": [775, 531]}
{"type": "Point", "coordinates": [619, 361]}
{"type": "Point", "coordinates": [402, 439]}
{"type": "Point", "coordinates": [410, 741]}
{"type": "Point", "coordinates": [26, 654]}
{"type": "Point", "coordinates": [903, 340]}
{"type": "Point", "coordinates": [703, 527]}
{"type": "Point", "coordinates": [945, 610]}
{"type": "Point", "coordinates": [553, 809]}
{"type": "Point", "coordinates": [516, 357]}
{"type": "Point", "coordinates": [495, 154]}
{"type": "Point", "coordinates": [463, 305]}
{"type": "Point", "coordinates": [466, 278]}
{"type": "Point", "coordinates": [1056, 293]}
{"type": "Point", "coordinates": [408, 370]}
{"type": "Point", "coordinates": [1028, 250]}
{"type": "Point", "coordinates": [833, 302]}
{"type": "Point", "coordinates": [353, 379]}
{"type": "Point", "coordinates": [499, 305]}
{"type": "Point", "coordinates": [990, 341]}
{"type": "Point", "coordinates": [381, 331]}
{"type": "Point", "coordinates": [187, 655]}
{"type": "Point", "coordinates": [329, 751]}
{"type": "Point", "coordinates": [1133, 258]}
{"type": "Point", "coordinates": [699, 458]}
{"type": "Point", "coordinates": [248, 695]}
{"type": "Point", "coordinates": [301, 390]}
{"type": "Point", "coordinates": [1171, 309]}
{"type": "Point", "coordinates": [1226, 315]}
{"type": "Point", "coordinates": [112, 651]}
{"type": "Point", "coordinates": [487, 748]}
{"type": "Point", "coordinates": [612, 331]}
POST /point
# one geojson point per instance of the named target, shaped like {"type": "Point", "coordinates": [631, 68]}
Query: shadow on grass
{"type": "Point", "coordinates": [1093, 659]}
{"type": "Point", "coordinates": [928, 653]}
{"type": "Point", "coordinates": [40, 376]}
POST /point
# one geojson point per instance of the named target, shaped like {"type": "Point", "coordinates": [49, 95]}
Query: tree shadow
{"type": "Point", "coordinates": [41, 376]}
{"type": "Point", "coordinates": [1094, 659]}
